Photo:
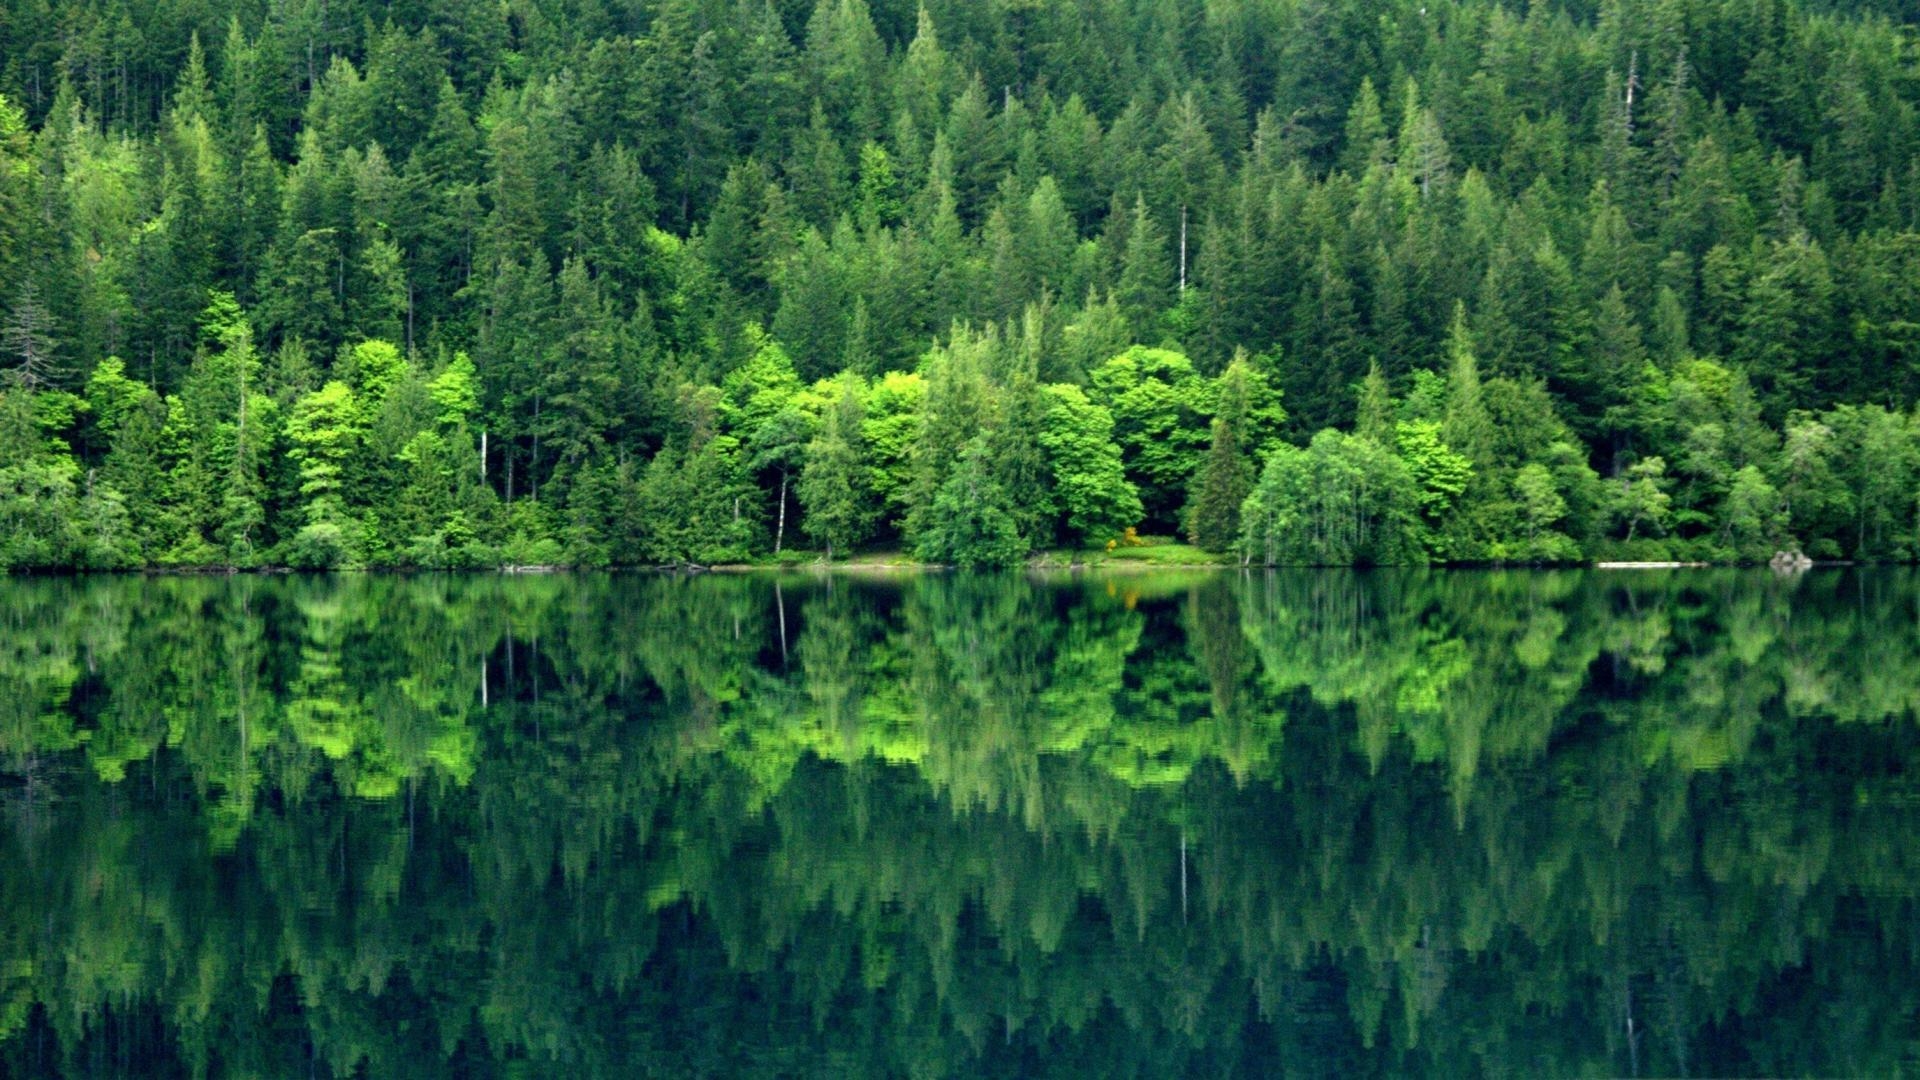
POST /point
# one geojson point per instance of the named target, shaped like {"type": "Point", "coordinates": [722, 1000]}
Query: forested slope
{"type": "Point", "coordinates": [464, 282]}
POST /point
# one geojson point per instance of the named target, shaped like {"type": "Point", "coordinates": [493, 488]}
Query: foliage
{"type": "Point", "coordinates": [1224, 481]}
{"type": "Point", "coordinates": [1343, 501]}
{"type": "Point", "coordinates": [607, 262]}
{"type": "Point", "coordinates": [832, 485]}
{"type": "Point", "coordinates": [1089, 474]}
{"type": "Point", "coordinates": [970, 524]}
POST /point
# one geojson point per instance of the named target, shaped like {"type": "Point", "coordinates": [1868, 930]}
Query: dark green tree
{"type": "Point", "coordinates": [970, 524]}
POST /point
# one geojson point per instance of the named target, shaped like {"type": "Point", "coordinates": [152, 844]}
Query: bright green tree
{"type": "Point", "coordinates": [1641, 497]}
{"type": "Point", "coordinates": [1090, 479]}
{"type": "Point", "coordinates": [833, 489]}
{"type": "Point", "coordinates": [1157, 400]}
{"type": "Point", "coordinates": [1342, 501]}
{"type": "Point", "coordinates": [325, 430]}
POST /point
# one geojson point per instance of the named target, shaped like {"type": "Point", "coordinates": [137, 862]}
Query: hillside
{"type": "Point", "coordinates": [457, 283]}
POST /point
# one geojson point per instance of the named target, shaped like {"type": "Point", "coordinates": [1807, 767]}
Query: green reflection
{"type": "Point", "coordinates": [1453, 823]}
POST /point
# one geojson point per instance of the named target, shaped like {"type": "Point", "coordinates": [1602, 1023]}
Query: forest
{"type": "Point", "coordinates": [472, 283]}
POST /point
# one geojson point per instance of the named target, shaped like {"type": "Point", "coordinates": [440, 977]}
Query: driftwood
{"type": "Point", "coordinates": [1644, 565]}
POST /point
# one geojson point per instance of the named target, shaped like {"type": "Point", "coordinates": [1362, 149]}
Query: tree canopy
{"type": "Point", "coordinates": [1561, 241]}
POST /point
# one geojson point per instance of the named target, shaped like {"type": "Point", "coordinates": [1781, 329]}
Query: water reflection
{"type": "Point", "coordinates": [1526, 823]}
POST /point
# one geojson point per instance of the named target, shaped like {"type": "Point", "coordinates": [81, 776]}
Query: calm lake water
{"type": "Point", "coordinates": [1530, 824]}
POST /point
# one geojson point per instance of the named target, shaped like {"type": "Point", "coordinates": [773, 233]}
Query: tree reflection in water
{"type": "Point", "coordinates": [1522, 823]}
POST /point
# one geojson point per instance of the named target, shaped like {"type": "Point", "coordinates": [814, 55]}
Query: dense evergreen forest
{"type": "Point", "coordinates": [459, 283]}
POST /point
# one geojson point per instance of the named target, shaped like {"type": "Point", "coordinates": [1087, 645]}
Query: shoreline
{"type": "Point", "coordinates": [1038, 565]}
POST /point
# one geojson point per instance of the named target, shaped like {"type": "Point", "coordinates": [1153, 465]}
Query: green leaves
{"type": "Point", "coordinates": [1179, 217]}
{"type": "Point", "coordinates": [833, 488]}
{"type": "Point", "coordinates": [970, 524]}
{"type": "Point", "coordinates": [1440, 475]}
{"type": "Point", "coordinates": [325, 428]}
{"type": "Point", "coordinates": [1157, 399]}
{"type": "Point", "coordinates": [1224, 481]}
{"type": "Point", "coordinates": [455, 392]}
{"type": "Point", "coordinates": [1343, 501]}
{"type": "Point", "coordinates": [1089, 476]}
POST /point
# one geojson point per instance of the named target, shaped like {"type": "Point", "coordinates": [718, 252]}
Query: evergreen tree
{"type": "Point", "coordinates": [1145, 287]}
{"type": "Point", "coordinates": [1683, 234]}
{"type": "Point", "coordinates": [838, 505]}
{"type": "Point", "coordinates": [28, 346]}
{"type": "Point", "coordinates": [1466, 426]}
{"type": "Point", "coordinates": [1374, 414]}
{"type": "Point", "coordinates": [1247, 421]}
{"type": "Point", "coordinates": [221, 431]}
{"type": "Point", "coordinates": [969, 523]}
{"type": "Point", "coordinates": [323, 430]}
{"type": "Point", "coordinates": [1017, 455]}
{"type": "Point", "coordinates": [1213, 515]}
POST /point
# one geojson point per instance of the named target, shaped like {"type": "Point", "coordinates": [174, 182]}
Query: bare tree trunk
{"type": "Point", "coordinates": [1183, 251]}
{"type": "Point", "coordinates": [1183, 877]}
{"type": "Point", "coordinates": [780, 530]}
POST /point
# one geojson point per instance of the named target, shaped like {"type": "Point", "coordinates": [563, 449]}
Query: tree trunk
{"type": "Point", "coordinates": [780, 530]}
{"type": "Point", "coordinates": [533, 464]}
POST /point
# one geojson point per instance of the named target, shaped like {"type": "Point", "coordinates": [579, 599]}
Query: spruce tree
{"type": "Point", "coordinates": [832, 489]}
{"type": "Point", "coordinates": [1213, 515]}
{"type": "Point", "coordinates": [970, 525]}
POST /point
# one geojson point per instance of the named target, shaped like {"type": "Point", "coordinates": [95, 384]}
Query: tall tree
{"type": "Point", "coordinates": [832, 488]}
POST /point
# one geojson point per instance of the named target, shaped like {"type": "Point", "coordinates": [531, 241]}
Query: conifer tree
{"type": "Point", "coordinates": [969, 523]}
{"type": "Point", "coordinates": [1213, 516]}
{"type": "Point", "coordinates": [832, 489]}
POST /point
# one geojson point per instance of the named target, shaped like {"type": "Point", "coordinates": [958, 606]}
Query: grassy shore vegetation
{"type": "Point", "coordinates": [453, 283]}
{"type": "Point", "coordinates": [1125, 552]}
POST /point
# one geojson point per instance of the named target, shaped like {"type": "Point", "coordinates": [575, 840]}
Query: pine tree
{"type": "Point", "coordinates": [1145, 288]}
{"type": "Point", "coordinates": [28, 346]}
{"type": "Point", "coordinates": [1467, 427]}
{"type": "Point", "coordinates": [17, 176]}
{"type": "Point", "coordinates": [1366, 135]}
{"type": "Point", "coordinates": [837, 502]}
{"type": "Point", "coordinates": [969, 521]}
{"type": "Point", "coordinates": [1016, 455]}
{"type": "Point", "coordinates": [1374, 413]}
{"type": "Point", "coordinates": [1691, 224]}
{"type": "Point", "coordinates": [1225, 480]}
{"type": "Point", "coordinates": [959, 404]}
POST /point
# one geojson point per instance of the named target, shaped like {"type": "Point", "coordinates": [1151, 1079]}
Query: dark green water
{"type": "Point", "coordinates": [1321, 823]}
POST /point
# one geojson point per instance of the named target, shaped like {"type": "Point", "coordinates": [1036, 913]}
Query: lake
{"type": "Point", "coordinates": [1466, 823]}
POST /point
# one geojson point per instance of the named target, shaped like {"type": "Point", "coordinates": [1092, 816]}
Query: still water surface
{"type": "Point", "coordinates": [1534, 824]}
